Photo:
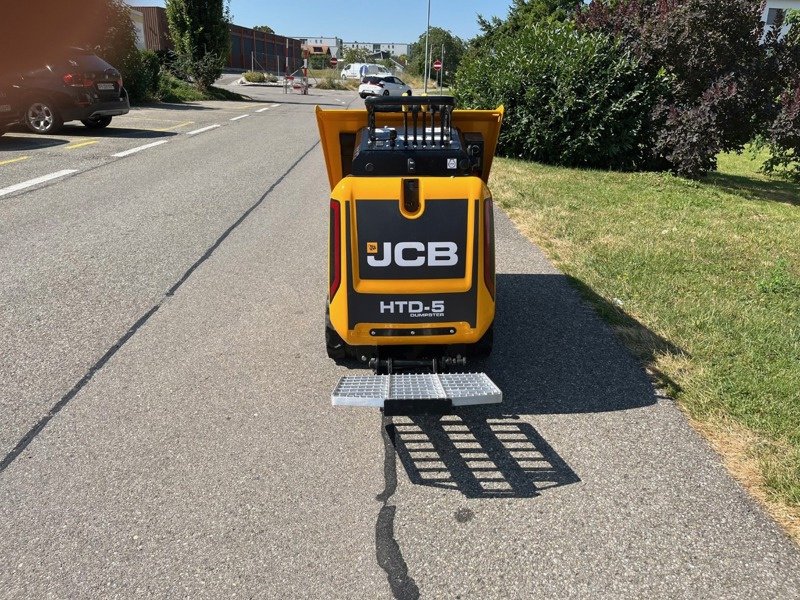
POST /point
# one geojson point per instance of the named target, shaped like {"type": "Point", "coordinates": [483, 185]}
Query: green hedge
{"type": "Point", "coordinates": [574, 99]}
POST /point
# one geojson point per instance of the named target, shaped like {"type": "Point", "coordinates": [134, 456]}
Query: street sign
{"type": "Point", "coordinates": [437, 65]}
{"type": "Point", "coordinates": [334, 61]}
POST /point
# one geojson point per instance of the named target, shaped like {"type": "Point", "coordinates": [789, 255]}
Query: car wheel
{"type": "Point", "coordinates": [97, 122]}
{"type": "Point", "coordinates": [385, 92]}
{"type": "Point", "coordinates": [42, 117]}
{"type": "Point", "coordinates": [363, 96]}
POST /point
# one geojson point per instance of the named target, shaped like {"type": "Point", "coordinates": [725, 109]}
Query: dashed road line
{"type": "Point", "coordinates": [31, 182]}
{"type": "Point", "coordinates": [202, 129]}
{"type": "Point", "coordinates": [184, 124]}
{"type": "Point", "coordinates": [274, 105]}
{"type": "Point", "coordinates": [80, 144]}
{"type": "Point", "coordinates": [139, 148]}
{"type": "Point", "coordinates": [263, 109]}
{"type": "Point", "coordinates": [239, 117]}
{"type": "Point", "coordinates": [13, 160]}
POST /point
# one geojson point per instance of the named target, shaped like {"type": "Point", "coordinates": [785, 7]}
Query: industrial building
{"type": "Point", "coordinates": [249, 48]}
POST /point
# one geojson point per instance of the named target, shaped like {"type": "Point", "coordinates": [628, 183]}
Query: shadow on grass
{"type": "Point", "coordinates": [752, 188]}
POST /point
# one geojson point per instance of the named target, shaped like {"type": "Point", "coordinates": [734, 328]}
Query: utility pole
{"type": "Point", "coordinates": [441, 73]}
{"type": "Point", "coordinates": [427, 58]}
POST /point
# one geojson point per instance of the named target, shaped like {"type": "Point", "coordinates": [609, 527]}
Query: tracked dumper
{"type": "Point", "coordinates": [411, 268]}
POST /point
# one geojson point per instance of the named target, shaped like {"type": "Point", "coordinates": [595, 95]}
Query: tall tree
{"type": "Point", "coordinates": [103, 26]}
{"type": "Point", "coordinates": [201, 36]}
{"type": "Point", "coordinates": [355, 55]}
{"type": "Point", "coordinates": [523, 14]}
{"type": "Point", "coordinates": [453, 51]}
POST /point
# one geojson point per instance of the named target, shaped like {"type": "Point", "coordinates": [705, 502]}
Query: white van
{"type": "Point", "coordinates": [359, 70]}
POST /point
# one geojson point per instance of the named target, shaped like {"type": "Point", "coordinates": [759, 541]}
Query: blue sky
{"type": "Point", "coordinates": [361, 20]}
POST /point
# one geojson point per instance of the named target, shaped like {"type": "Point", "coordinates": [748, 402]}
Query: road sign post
{"type": "Point", "coordinates": [334, 62]}
{"type": "Point", "coordinates": [437, 66]}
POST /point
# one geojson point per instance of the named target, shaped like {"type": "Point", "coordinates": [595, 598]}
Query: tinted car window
{"type": "Point", "coordinates": [372, 79]}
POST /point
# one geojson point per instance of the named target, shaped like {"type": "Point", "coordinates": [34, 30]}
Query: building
{"type": "Point", "coordinates": [249, 48]}
{"type": "Point", "coordinates": [137, 18]}
{"type": "Point", "coordinates": [263, 51]}
{"type": "Point", "coordinates": [332, 45]}
{"type": "Point", "coordinates": [775, 8]}
{"type": "Point", "coordinates": [393, 48]}
{"type": "Point", "coordinates": [155, 28]}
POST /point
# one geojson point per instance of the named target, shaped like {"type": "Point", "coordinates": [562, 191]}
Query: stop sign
{"type": "Point", "coordinates": [437, 65]}
{"type": "Point", "coordinates": [334, 61]}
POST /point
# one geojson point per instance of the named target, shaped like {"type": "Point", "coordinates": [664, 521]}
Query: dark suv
{"type": "Point", "coordinates": [76, 86]}
{"type": "Point", "coordinates": [10, 103]}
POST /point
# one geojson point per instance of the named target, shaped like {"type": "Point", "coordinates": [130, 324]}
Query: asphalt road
{"type": "Point", "coordinates": [165, 427]}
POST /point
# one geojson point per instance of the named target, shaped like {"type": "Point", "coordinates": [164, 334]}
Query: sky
{"type": "Point", "coordinates": [361, 20]}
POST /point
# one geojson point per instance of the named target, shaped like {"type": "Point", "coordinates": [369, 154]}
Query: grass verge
{"type": "Point", "coordinates": [172, 89]}
{"type": "Point", "coordinates": [714, 268]}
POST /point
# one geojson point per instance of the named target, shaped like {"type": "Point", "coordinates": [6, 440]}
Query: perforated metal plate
{"type": "Point", "coordinates": [463, 389]}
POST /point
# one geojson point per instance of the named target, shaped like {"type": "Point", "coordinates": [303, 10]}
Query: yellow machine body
{"type": "Point", "coordinates": [421, 278]}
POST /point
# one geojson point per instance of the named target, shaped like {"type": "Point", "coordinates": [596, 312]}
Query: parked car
{"type": "Point", "coordinates": [76, 85]}
{"type": "Point", "coordinates": [11, 105]}
{"type": "Point", "coordinates": [360, 70]}
{"type": "Point", "coordinates": [382, 85]}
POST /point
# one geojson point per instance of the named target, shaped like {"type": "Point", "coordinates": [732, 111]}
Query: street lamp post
{"type": "Point", "coordinates": [426, 70]}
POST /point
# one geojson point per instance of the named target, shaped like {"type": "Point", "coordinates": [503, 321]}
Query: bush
{"type": "Point", "coordinates": [724, 79]}
{"type": "Point", "coordinates": [255, 77]}
{"type": "Point", "coordinates": [331, 83]}
{"type": "Point", "coordinates": [141, 73]}
{"type": "Point", "coordinates": [783, 138]}
{"type": "Point", "coordinates": [570, 98]}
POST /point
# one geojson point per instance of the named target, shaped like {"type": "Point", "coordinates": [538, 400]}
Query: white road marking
{"type": "Point", "coordinates": [202, 129]}
{"type": "Point", "coordinates": [274, 105]}
{"type": "Point", "coordinates": [263, 109]}
{"type": "Point", "coordinates": [139, 149]}
{"type": "Point", "coordinates": [239, 117]}
{"type": "Point", "coordinates": [31, 182]}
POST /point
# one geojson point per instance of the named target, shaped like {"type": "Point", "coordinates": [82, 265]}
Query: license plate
{"type": "Point", "coordinates": [105, 86]}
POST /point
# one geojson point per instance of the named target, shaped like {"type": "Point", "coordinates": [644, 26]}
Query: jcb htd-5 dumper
{"type": "Point", "coordinates": [411, 251]}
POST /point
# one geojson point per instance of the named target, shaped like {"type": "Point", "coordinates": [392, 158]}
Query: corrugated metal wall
{"type": "Point", "coordinates": [264, 51]}
{"type": "Point", "coordinates": [267, 51]}
{"type": "Point", "coordinates": [156, 29]}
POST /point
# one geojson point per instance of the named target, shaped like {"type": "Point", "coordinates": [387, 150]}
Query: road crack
{"type": "Point", "coordinates": [387, 551]}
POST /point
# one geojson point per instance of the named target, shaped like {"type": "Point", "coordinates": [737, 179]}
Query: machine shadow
{"type": "Point", "coordinates": [552, 355]}
{"type": "Point", "coordinates": [482, 457]}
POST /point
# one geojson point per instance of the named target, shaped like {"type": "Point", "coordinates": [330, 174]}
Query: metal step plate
{"type": "Point", "coordinates": [462, 389]}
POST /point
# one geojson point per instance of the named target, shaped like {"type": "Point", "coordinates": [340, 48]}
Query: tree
{"type": "Point", "coordinates": [724, 79]}
{"type": "Point", "coordinates": [264, 28]}
{"type": "Point", "coordinates": [103, 26]}
{"type": "Point", "coordinates": [355, 55]}
{"type": "Point", "coordinates": [523, 14]}
{"type": "Point", "coordinates": [453, 51]}
{"type": "Point", "coordinates": [201, 36]}
{"type": "Point", "coordinates": [570, 99]}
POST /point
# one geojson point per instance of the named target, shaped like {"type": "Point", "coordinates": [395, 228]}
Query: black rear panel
{"type": "Point", "coordinates": [390, 244]}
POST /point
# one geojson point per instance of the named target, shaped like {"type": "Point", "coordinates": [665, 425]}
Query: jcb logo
{"type": "Point", "coordinates": [413, 254]}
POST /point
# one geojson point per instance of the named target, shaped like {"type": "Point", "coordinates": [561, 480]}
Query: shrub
{"type": "Point", "coordinates": [255, 77]}
{"type": "Point", "coordinates": [332, 83]}
{"type": "Point", "coordinates": [141, 73]}
{"type": "Point", "coordinates": [723, 78]}
{"type": "Point", "coordinates": [571, 98]}
{"type": "Point", "coordinates": [783, 138]}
